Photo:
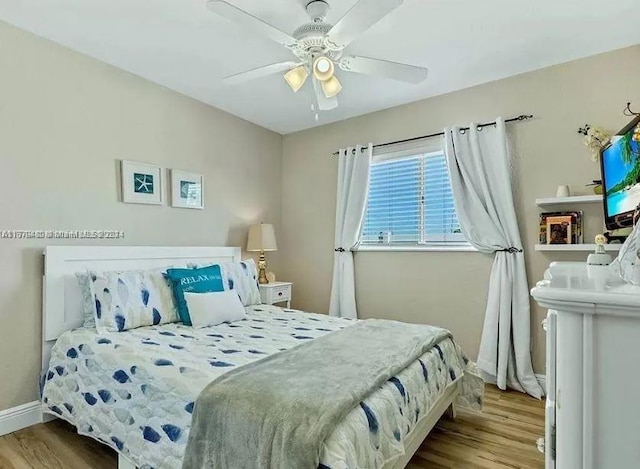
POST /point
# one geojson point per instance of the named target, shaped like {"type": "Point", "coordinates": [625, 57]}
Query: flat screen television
{"type": "Point", "coordinates": [620, 165]}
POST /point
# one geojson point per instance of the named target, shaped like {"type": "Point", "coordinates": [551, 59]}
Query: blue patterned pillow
{"type": "Point", "coordinates": [88, 315]}
{"type": "Point", "coordinates": [127, 300]}
{"type": "Point", "coordinates": [199, 280]}
{"type": "Point", "coordinates": [243, 277]}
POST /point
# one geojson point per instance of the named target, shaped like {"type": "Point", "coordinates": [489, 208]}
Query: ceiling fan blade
{"type": "Point", "coordinates": [361, 17]}
{"type": "Point", "coordinates": [250, 22]}
{"type": "Point", "coordinates": [383, 68]}
{"type": "Point", "coordinates": [259, 72]}
{"type": "Point", "coordinates": [324, 103]}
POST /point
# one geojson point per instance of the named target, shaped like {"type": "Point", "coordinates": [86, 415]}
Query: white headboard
{"type": "Point", "coordinates": [62, 299]}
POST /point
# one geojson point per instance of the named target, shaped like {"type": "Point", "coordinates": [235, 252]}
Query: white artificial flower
{"type": "Point", "coordinates": [595, 139]}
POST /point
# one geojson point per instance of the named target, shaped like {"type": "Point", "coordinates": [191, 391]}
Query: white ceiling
{"type": "Point", "coordinates": [181, 45]}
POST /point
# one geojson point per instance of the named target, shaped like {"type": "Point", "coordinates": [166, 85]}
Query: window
{"type": "Point", "coordinates": [410, 203]}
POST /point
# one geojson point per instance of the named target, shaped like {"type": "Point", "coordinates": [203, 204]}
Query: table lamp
{"type": "Point", "coordinates": [262, 238]}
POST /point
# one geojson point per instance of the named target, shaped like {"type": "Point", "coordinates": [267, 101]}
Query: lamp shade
{"type": "Point", "coordinates": [262, 237]}
{"type": "Point", "coordinates": [331, 87]}
{"type": "Point", "coordinates": [296, 77]}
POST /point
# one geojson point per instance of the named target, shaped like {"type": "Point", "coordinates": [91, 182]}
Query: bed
{"type": "Point", "coordinates": [135, 390]}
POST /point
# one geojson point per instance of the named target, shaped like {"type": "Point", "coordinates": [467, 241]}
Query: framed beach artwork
{"type": "Point", "coordinates": [187, 189]}
{"type": "Point", "coordinates": [141, 183]}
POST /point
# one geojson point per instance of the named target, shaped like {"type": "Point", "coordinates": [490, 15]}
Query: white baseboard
{"type": "Point", "coordinates": [23, 416]}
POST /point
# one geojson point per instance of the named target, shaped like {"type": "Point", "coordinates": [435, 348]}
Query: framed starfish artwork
{"type": "Point", "coordinates": [141, 183]}
{"type": "Point", "coordinates": [187, 189]}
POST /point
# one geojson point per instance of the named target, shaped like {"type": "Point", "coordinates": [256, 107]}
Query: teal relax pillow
{"type": "Point", "coordinates": [202, 280]}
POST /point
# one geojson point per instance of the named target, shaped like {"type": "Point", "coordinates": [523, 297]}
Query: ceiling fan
{"type": "Point", "coordinates": [319, 48]}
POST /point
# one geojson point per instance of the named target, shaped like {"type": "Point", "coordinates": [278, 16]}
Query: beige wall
{"type": "Point", "coordinates": [64, 121]}
{"type": "Point", "coordinates": [450, 289]}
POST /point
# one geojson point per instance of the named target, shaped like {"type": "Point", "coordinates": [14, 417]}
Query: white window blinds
{"type": "Point", "coordinates": [410, 203]}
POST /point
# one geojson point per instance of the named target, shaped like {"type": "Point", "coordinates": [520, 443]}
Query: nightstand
{"type": "Point", "coordinates": [276, 292]}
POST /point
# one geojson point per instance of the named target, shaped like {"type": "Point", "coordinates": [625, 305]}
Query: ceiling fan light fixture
{"type": "Point", "coordinates": [331, 87]}
{"type": "Point", "coordinates": [296, 77]}
{"type": "Point", "coordinates": [318, 46]}
{"type": "Point", "coordinates": [323, 68]}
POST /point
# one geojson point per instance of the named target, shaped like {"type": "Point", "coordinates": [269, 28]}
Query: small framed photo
{"type": "Point", "coordinates": [141, 183]}
{"type": "Point", "coordinates": [559, 230]}
{"type": "Point", "coordinates": [187, 189]}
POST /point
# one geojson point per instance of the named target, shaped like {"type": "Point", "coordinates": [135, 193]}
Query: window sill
{"type": "Point", "coordinates": [429, 248]}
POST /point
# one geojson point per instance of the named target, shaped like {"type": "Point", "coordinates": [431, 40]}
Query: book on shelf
{"type": "Point", "coordinates": [561, 228]}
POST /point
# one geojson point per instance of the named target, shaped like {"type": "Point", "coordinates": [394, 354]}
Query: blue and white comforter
{"type": "Point", "coordinates": [135, 390]}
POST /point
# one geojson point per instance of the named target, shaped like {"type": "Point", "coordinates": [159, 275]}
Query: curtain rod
{"type": "Point", "coordinates": [520, 118]}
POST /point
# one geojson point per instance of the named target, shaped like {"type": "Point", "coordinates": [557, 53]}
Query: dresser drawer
{"type": "Point", "coordinates": [281, 293]}
{"type": "Point", "coordinates": [275, 293]}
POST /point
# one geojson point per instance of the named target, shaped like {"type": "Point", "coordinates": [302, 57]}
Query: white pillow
{"type": "Point", "coordinates": [211, 309]}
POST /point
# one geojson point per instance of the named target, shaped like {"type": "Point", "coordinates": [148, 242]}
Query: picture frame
{"type": "Point", "coordinates": [577, 230]}
{"type": "Point", "coordinates": [187, 189]}
{"type": "Point", "coordinates": [560, 230]}
{"type": "Point", "coordinates": [141, 183]}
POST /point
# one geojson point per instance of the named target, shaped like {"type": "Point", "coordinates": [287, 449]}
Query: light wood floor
{"type": "Point", "coordinates": [503, 436]}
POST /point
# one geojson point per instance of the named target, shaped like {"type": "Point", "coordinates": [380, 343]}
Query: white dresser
{"type": "Point", "coordinates": [593, 368]}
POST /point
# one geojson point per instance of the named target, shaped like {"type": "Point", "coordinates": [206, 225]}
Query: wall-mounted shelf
{"type": "Point", "coordinates": [576, 247]}
{"type": "Point", "coordinates": [576, 199]}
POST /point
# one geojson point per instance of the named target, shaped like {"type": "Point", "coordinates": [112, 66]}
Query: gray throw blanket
{"type": "Point", "coordinates": [276, 412]}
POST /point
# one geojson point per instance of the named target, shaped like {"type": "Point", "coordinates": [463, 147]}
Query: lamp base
{"type": "Point", "coordinates": [262, 269]}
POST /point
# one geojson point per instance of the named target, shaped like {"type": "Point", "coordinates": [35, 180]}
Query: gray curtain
{"type": "Point", "coordinates": [481, 181]}
{"type": "Point", "coordinates": [353, 188]}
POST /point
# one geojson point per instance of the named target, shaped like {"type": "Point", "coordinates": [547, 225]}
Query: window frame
{"type": "Point", "coordinates": [442, 243]}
